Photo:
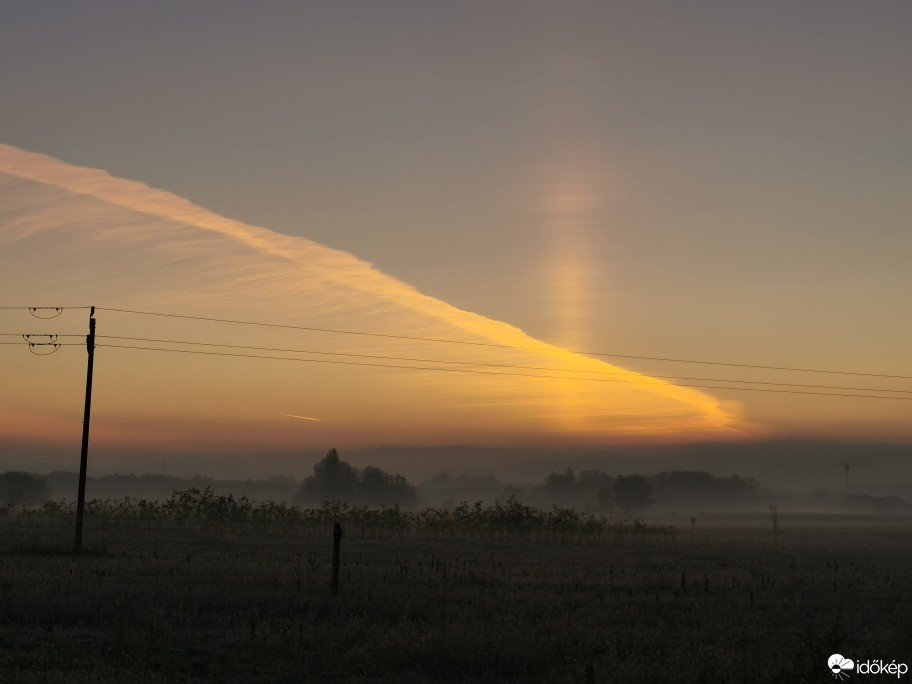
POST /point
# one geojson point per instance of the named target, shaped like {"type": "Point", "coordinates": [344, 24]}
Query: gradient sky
{"type": "Point", "coordinates": [723, 181]}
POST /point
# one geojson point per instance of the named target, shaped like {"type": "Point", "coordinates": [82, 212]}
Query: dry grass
{"type": "Point", "coordinates": [160, 603]}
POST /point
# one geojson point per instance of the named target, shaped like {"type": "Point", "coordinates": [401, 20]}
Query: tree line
{"type": "Point", "coordinates": [335, 480]}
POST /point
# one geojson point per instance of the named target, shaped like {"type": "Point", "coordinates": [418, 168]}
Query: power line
{"type": "Point", "coordinates": [498, 365]}
{"type": "Point", "coordinates": [506, 346]}
{"type": "Point", "coordinates": [482, 372]}
{"type": "Point", "coordinates": [59, 344]}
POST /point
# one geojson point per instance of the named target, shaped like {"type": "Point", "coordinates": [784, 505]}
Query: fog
{"type": "Point", "coordinates": [645, 481]}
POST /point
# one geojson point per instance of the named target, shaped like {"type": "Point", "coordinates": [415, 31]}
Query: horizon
{"type": "Point", "coordinates": [787, 465]}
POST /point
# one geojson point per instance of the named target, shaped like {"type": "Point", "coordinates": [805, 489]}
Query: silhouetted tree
{"type": "Point", "coordinates": [632, 492]}
{"type": "Point", "coordinates": [594, 487]}
{"type": "Point", "coordinates": [698, 487]}
{"type": "Point", "coordinates": [380, 488]}
{"type": "Point", "coordinates": [559, 489]}
{"type": "Point", "coordinates": [561, 481]}
{"type": "Point", "coordinates": [336, 480]}
{"type": "Point", "coordinates": [22, 488]}
{"type": "Point", "coordinates": [333, 480]}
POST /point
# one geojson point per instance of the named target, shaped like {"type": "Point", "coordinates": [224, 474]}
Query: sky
{"type": "Point", "coordinates": [693, 180]}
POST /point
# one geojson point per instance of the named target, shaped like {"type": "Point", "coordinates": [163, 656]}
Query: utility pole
{"type": "Point", "coordinates": [84, 458]}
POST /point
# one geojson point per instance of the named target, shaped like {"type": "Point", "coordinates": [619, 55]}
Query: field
{"type": "Point", "coordinates": [163, 599]}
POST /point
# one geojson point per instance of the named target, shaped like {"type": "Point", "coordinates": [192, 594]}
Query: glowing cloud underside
{"type": "Point", "coordinates": [74, 236]}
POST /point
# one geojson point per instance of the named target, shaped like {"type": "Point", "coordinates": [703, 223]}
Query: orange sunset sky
{"type": "Point", "coordinates": [473, 223]}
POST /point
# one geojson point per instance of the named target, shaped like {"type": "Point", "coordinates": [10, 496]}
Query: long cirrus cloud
{"type": "Point", "coordinates": [74, 235]}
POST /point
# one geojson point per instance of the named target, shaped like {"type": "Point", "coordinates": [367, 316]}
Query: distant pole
{"type": "Point", "coordinates": [337, 543]}
{"type": "Point", "coordinates": [847, 479]}
{"type": "Point", "coordinates": [84, 457]}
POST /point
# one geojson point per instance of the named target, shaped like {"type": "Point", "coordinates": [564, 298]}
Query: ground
{"type": "Point", "coordinates": [168, 603]}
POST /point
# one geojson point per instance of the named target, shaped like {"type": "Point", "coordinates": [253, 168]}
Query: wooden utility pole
{"type": "Point", "coordinates": [84, 457]}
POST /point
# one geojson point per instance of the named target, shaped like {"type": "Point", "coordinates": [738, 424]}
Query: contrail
{"type": "Point", "coordinates": [214, 267]}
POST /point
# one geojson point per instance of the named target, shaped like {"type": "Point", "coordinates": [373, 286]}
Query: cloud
{"type": "Point", "coordinates": [76, 235]}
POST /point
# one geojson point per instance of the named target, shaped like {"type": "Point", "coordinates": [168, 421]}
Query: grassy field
{"type": "Point", "coordinates": [162, 602]}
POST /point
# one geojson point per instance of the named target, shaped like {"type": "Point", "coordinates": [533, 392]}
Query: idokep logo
{"type": "Point", "coordinates": [840, 666]}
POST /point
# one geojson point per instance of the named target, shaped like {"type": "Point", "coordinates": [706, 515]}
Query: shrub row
{"type": "Point", "coordinates": [202, 508]}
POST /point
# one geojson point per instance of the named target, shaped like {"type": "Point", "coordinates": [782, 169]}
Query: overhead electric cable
{"type": "Point", "coordinates": [506, 346]}
{"type": "Point", "coordinates": [482, 372]}
{"type": "Point", "coordinates": [496, 365]}
{"type": "Point", "coordinates": [60, 344]}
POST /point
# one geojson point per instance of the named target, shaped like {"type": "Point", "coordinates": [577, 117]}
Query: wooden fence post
{"type": "Point", "coordinates": [337, 543]}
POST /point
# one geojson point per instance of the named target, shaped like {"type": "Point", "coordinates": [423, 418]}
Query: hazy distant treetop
{"type": "Point", "coordinates": [632, 492]}
{"type": "Point", "coordinates": [558, 488]}
{"type": "Point", "coordinates": [336, 480]}
{"type": "Point", "coordinates": [690, 485]}
{"type": "Point", "coordinates": [18, 487]}
{"type": "Point", "coordinates": [560, 480]}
